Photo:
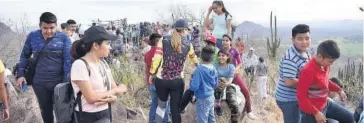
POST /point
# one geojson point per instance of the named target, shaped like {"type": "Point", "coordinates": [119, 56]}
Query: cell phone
{"type": "Point", "coordinates": [24, 87]}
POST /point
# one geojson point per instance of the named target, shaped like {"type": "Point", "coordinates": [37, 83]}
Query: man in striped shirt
{"type": "Point", "coordinates": [290, 65]}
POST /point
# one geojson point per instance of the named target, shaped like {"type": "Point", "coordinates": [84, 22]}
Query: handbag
{"type": "Point", "coordinates": [32, 63]}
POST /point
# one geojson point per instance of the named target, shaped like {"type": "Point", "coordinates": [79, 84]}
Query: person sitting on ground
{"type": "Point", "coordinates": [154, 39]}
{"type": "Point", "coordinates": [91, 75]}
{"type": "Point", "coordinates": [314, 86]}
{"type": "Point", "coordinates": [3, 95]}
{"type": "Point", "coordinates": [226, 74]}
{"type": "Point", "coordinates": [235, 59]}
{"type": "Point", "coordinates": [203, 83]}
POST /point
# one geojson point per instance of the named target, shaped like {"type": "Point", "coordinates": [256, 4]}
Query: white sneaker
{"type": "Point", "coordinates": [252, 116]}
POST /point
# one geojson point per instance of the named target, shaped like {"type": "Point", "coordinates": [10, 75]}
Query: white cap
{"type": "Point", "coordinates": [251, 48]}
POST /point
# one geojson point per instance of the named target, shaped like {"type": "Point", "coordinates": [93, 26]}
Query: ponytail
{"type": "Point", "coordinates": [77, 49]}
{"type": "Point", "coordinates": [176, 41]}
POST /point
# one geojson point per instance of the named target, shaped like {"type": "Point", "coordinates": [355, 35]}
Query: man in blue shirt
{"type": "Point", "coordinates": [54, 62]}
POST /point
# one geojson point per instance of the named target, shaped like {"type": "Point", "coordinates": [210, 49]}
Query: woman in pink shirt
{"type": "Point", "coordinates": [235, 59]}
{"type": "Point", "coordinates": [91, 76]}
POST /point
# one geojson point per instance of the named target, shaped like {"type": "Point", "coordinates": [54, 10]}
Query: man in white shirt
{"type": "Point", "coordinates": [72, 25]}
{"type": "Point", "coordinates": [250, 61]}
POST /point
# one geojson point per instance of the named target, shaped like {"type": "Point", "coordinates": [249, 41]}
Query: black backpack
{"type": "Point", "coordinates": [65, 101]}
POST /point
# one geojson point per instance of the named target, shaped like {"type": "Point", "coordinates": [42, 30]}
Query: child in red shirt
{"type": "Point", "coordinates": [314, 86]}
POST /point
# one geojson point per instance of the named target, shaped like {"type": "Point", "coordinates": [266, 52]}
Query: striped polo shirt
{"type": "Point", "coordinates": [290, 65]}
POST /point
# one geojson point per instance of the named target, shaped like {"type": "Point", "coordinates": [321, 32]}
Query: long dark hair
{"type": "Point", "coordinates": [225, 52]}
{"type": "Point", "coordinates": [220, 3]}
{"type": "Point", "coordinates": [226, 35]}
{"type": "Point", "coordinates": [80, 48]}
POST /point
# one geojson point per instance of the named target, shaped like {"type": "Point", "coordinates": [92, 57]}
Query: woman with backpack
{"type": "Point", "coordinates": [91, 76]}
{"type": "Point", "coordinates": [221, 21]}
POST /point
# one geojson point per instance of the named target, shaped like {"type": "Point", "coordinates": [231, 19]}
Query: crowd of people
{"type": "Point", "coordinates": [49, 57]}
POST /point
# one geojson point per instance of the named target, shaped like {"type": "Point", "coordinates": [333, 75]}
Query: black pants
{"type": "Point", "coordinates": [186, 99]}
{"type": "Point", "coordinates": [44, 93]}
{"type": "Point", "coordinates": [174, 89]}
{"type": "Point", "coordinates": [95, 117]}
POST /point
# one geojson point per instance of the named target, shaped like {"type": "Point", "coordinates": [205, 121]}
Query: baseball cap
{"type": "Point", "coordinates": [211, 39]}
{"type": "Point", "coordinates": [181, 23]}
{"type": "Point", "coordinates": [251, 48]}
{"type": "Point", "coordinates": [95, 33]}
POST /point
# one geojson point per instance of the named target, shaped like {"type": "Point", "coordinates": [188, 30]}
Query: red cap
{"type": "Point", "coordinates": [211, 39]}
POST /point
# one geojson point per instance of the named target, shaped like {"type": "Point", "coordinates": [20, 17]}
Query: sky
{"type": "Point", "coordinates": [83, 11]}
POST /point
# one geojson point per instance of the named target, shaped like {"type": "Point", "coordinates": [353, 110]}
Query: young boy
{"type": "Point", "coordinates": [290, 65]}
{"type": "Point", "coordinates": [262, 77]}
{"type": "Point", "coordinates": [187, 97]}
{"type": "Point", "coordinates": [211, 42]}
{"type": "Point", "coordinates": [314, 86]}
{"type": "Point", "coordinates": [154, 39]}
{"type": "Point", "coordinates": [203, 83]}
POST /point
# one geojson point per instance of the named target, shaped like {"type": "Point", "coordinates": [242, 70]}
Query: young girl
{"type": "Point", "coordinates": [262, 73]}
{"type": "Point", "coordinates": [235, 59]}
{"type": "Point", "coordinates": [227, 71]}
{"type": "Point", "coordinates": [221, 21]}
{"type": "Point", "coordinates": [92, 76]}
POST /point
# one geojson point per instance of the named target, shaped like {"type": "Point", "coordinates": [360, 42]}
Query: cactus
{"type": "Point", "coordinates": [274, 42]}
{"type": "Point", "coordinates": [352, 77]}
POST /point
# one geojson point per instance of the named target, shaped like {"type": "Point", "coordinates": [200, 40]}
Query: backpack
{"type": "Point", "coordinates": [65, 101]}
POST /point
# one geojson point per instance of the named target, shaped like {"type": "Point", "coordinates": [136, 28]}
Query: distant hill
{"type": "Point", "coordinates": [348, 29]}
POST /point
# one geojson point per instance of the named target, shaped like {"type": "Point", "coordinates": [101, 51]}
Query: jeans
{"type": "Point", "coordinates": [238, 80]}
{"type": "Point", "coordinates": [291, 111]}
{"type": "Point", "coordinates": [94, 117]}
{"type": "Point", "coordinates": [332, 111]}
{"type": "Point", "coordinates": [219, 43]}
{"type": "Point", "coordinates": [44, 93]}
{"type": "Point", "coordinates": [205, 110]}
{"type": "Point", "coordinates": [250, 71]}
{"type": "Point", "coordinates": [154, 105]}
{"type": "Point", "coordinates": [173, 89]}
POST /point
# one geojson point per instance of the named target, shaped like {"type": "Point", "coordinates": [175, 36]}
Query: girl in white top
{"type": "Point", "coordinates": [93, 76]}
{"type": "Point", "coordinates": [221, 21]}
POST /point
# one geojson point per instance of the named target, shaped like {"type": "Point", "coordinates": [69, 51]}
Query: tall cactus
{"type": "Point", "coordinates": [274, 42]}
{"type": "Point", "coordinates": [352, 77]}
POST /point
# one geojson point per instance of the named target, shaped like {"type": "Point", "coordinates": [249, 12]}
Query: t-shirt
{"type": "Point", "coordinates": [219, 22]}
{"type": "Point", "coordinates": [240, 46]}
{"type": "Point", "coordinates": [235, 58]}
{"type": "Point", "coordinates": [79, 72]}
{"type": "Point", "coordinates": [262, 69]}
{"type": "Point", "coordinates": [148, 61]}
{"type": "Point", "coordinates": [225, 71]}
{"type": "Point", "coordinates": [2, 68]}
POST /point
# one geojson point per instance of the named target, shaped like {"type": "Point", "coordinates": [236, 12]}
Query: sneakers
{"type": "Point", "coordinates": [252, 116]}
